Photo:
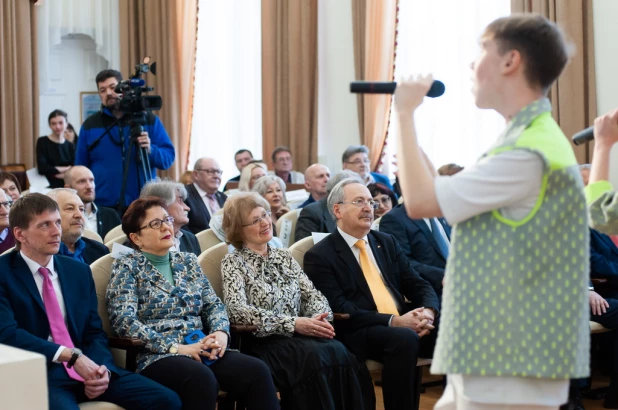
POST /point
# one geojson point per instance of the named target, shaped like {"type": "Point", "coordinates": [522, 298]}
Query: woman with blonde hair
{"type": "Point", "coordinates": [250, 174]}
{"type": "Point", "coordinates": [272, 189]}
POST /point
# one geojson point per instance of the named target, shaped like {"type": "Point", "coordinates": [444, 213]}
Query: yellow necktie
{"type": "Point", "coordinates": [381, 296]}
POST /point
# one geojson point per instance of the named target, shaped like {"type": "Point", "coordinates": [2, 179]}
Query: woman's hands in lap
{"type": "Point", "coordinates": [316, 326]}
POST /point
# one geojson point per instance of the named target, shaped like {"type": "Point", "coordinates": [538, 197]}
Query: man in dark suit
{"type": "Point", "coordinates": [204, 197]}
{"type": "Point", "coordinates": [98, 219]}
{"type": "Point", "coordinates": [175, 194]}
{"type": "Point", "coordinates": [366, 274]}
{"type": "Point", "coordinates": [48, 305]}
{"type": "Point", "coordinates": [74, 245]}
{"type": "Point", "coordinates": [424, 241]}
{"type": "Point", "coordinates": [315, 217]}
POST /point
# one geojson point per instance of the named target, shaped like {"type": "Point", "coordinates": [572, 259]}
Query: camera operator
{"type": "Point", "coordinates": [105, 156]}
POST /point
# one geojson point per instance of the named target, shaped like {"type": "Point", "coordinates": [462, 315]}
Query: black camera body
{"type": "Point", "coordinates": [132, 100]}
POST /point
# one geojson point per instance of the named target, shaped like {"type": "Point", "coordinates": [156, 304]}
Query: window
{"type": "Point", "coordinates": [227, 104]}
{"type": "Point", "coordinates": [441, 37]}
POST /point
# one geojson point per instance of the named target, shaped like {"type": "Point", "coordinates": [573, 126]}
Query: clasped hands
{"type": "Point", "coordinates": [420, 320]}
{"type": "Point", "coordinates": [216, 342]}
{"type": "Point", "coordinates": [316, 326]}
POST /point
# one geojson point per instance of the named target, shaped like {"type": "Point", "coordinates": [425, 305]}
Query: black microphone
{"type": "Point", "coordinates": [584, 136]}
{"type": "Point", "coordinates": [370, 87]}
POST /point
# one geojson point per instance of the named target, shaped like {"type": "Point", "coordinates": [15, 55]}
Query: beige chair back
{"type": "Point", "coordinates": [210, 262]}
{"type": "Point", "coordinates": [207, 239]}
{"type": "Point", "coordinates": [119, 239]}
{"type": "Point", "coordinates": [286, 226]}
{"type": "Point", "coordinates": [92, 235]}
{"type": "Point", "coordinates": [114, 233]}
{"type": "Point", "coordinates": [596, 328]}
{"type": "Point", "coordinates": [299, 249]}
{"type": "Point", "coordinates": [7, 251]}
{"type": "Point", "coordinates": [99, 405]}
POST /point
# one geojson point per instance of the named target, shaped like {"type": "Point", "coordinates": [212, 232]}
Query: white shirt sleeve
{"type": "Point", "coordinates": [509, 182]}
{"type": "Point", "coordinates": [58, 353]}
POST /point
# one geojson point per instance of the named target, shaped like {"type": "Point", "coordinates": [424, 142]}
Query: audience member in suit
{"type": "Point", "coordinates": [316, 179]}
{"type": "Point", "coordinates": [10, 185]}
{"type": "Point", "coordinates": [283, 163]}
{"type": "Point", "coordinates": [241, 158]}
{"type": "Point", "coordinates": [356, 158]}
{"type": "Point", "coordinates": [250, 174]}
{"type": "Point", "coordinates": [426, 248]}
{"type": "Point", "coordinates": [174, 195]}
{"type": "Point", "coordinates": [315, 217]}
{"type": "Point", "coordinates": [48, 305]}
{"type": "Point", "coordinates": [266, 287]}
{"type": "Point", "coordinates": [385, 198]}
{"type": "Point", "coordinates": [7, 240]}
{"type": "Point", "coordinates": [74, 245]}
{"type": "Point", "coordinates": [365, 273]}
{"type": "Point", "coordinates": [204, 197]}
{"type": "Point", "coordinates": [54, 153]}
{"type": "Point", "coordinates": [98, 219]}
{"type": "Point", "coordinates": [161, 297]}
{"type": "Point", "coordinates": [272, 188]}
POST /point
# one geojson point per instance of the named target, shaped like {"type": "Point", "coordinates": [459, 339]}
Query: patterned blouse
{"type": "Point", "coordinates": [269, 292]}
{"type": "Point", "coordinates": [143, 304]}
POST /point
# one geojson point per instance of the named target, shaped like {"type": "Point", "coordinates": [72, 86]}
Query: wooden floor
{"type": "Point", "coordinates": [432, 394]}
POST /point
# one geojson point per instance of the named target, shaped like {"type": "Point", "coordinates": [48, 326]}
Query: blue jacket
{"type": "Point", "coordinates": [380, 179]}
{"type": "Point", "coordinates": [106, 160]}
{"type": "Point", "coordinates": [23, 321]}
{"type": "Point", "coordinates": [603, 258]}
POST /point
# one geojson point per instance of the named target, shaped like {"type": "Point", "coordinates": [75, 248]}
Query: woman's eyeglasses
{"type": "Point", "coordinates": [385, 200]}
{"type": "Point", "coordinates": [7, 204]}
{"type": "Point", "coordinates": [258, 220]}
{"type": "Point", "coordinates": [156, 223]}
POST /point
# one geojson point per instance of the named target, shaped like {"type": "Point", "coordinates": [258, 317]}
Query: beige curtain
{"type": "Point", "coordinates": [574, 94]}
{"type": "Point", "coordinates": [374, 25]}
{"type": "Point", "coordinates": [290, 78]}
{"type": "Point", "coordinates": [19, 99]}
{"type": "Point", "coordinates": [165, 30]}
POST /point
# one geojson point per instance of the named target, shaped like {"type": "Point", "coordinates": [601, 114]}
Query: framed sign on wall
{"type": "Point", "coordinates": [89, 103]}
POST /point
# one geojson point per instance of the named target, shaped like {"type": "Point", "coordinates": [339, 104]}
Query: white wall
{"type": "Point", "coordinates": [605, 14]}
{"type": "Point", "coordinates": [337, 115]}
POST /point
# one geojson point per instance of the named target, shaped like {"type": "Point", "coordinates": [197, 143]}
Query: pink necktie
{"type": "Point", "coordinates": [614, 239]}
{"type": "Point", "coordinates": [212, 201]}
{"type": "Point", "coordinates": [58, 329]}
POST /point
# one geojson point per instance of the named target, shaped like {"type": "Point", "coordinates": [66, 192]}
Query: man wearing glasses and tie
{"type": "Point", "coordinates": [356, 158]}
{"type": "Point", "coordinates": [204, 197]}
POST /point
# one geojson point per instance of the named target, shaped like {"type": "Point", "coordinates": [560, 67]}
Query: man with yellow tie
{"type": "Point", "coordinates": [366, 274]}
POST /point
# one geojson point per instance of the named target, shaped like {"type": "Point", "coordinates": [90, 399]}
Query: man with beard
{"type": "Point", "coordinates": [98, 219]}
{"type": "Point", "coordinates": [204, 197]}
{"type": "Point", "coordinates": [105, 155]}
{"type": "Point", "coordinates": [72, 220]}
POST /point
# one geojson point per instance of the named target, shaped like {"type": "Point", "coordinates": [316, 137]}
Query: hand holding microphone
{"type": "Point", "coordinates": [605, 129]}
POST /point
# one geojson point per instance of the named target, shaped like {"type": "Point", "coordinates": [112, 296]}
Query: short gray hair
{"type": "Point", "coordinates": [53, 194]}
{"type": "Point", "coordinates": [337, 178]}
{"type": "Point", "coordinates": [352, 150]}
{"type": "Point", "coordinates": [165, 189]}
{"type": "Point", "coordinates": [337, 195]}
{"type": "Point", "coordinates": [261, 185]}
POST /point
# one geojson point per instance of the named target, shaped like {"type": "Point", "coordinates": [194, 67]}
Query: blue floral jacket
{"type": "Point", "coordinates": [143, 304]}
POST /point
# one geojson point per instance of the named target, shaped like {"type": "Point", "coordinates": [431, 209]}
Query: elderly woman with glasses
{"type": "Point", "coordinates": [163, 298]}
{"type": "Point", "coordinates": [266, 287]}
{"type": "Point", "coordinates": [385, 198]}
{"type": "Point", "coordinates": [272, 188]}
{"type": "Point", "coordinates": [7, 240]}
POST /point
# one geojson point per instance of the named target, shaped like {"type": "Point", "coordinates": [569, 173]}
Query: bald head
{"type": "Point", "coordinates": [81, 179]}
{"type": "Point", "coordinates": [207, 175]}
{"type": "Point", "coordinates": [316, 178]}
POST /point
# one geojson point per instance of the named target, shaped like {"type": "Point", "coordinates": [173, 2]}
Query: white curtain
{"type": "Point", "coordinates": [442, 37]}
{"type": "Point", "coordinates": [94, 18]}
{"type": "Point", "coordinates": [227, 106]}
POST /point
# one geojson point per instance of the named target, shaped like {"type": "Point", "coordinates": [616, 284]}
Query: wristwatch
{"type": "Point", "coordinates": [75, 353]}
{"type": "Point", "coordinates": [173, 348]}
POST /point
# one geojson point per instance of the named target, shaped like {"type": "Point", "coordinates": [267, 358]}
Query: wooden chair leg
{"type": "Point", "coordinates": [418, 380]}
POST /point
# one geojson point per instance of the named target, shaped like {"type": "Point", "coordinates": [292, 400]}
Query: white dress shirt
{"type": "Point", "coordinates": [91, 219]}
{"type": "Point", "coordinates": [38, 279]}
{"type": "Point", "coordinates": [4, 234]}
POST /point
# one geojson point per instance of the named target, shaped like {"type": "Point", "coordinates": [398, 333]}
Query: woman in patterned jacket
{"type": "Point", "coordinates": [265, 287]}
{"type": "Point", "coordinates": [161, 297]}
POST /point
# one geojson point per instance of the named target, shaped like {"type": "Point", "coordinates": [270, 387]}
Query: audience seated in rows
{"type": "Point", "coordinates": [98, 218]}
{"type": "Point", "coordinates": [203, 195]}
{"type": "Point", "coordinates": [54, 153]}
{"type": "Point", "coordinates": [255, 170]}
{"type": "Point", "coordinates": [356, 158]}
{"type": "Point", "coordinates": [74, 245]}
{"type": "Point", "coordinates": [174, 196]}
{"type": "Point", "coordinates": [385, 198]}
{"type": "Point", "coordinates": [316, 217]}
{"type": "Point", "coordinates": [272, 188]}
{"type": "Point", "coordinates": [241, 159]}
{"type": "Point", "coordinates": [10, 185]}
{"type": "Point", "coordinates": [7, 241]}
{"type": "Point", "coordinates": [153, 274]}
{"type": "Point", "coordinates": [48, 305]}
{"type": "Point", "coordinates": [316, 178]}
{"type": "Point", "coordinates": [283, 165]}
{"type": "Point", "coordinates": [266, 287]}
{"type": "Point", "coordinates": [365, 274]}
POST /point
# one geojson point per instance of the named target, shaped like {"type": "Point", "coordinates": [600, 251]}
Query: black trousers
{"type": "Point", "coordinates": [398, 349]}
{"type": "Point", "coordinates": [243, 377]}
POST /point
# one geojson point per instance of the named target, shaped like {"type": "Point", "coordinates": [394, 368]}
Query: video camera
{"type": "Point", "coordinates": [131, 100]}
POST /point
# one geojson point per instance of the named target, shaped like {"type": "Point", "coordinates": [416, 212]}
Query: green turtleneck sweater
{"type": "Point", "coordinates": [163, 265]}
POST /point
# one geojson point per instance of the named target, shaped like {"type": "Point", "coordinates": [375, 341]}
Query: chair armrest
{"type": "Point", "coordinates": [341, 316]}
{"type": "Point", "coordinates": [125, 343]}
{"type": "Point", "coordinates": [599, 281]}
{"type": "Point", "coordinates": [243, 328]}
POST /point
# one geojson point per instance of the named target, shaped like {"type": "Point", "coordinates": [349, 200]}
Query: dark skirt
{"type": "Point", "coordinates": [314, 373]}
